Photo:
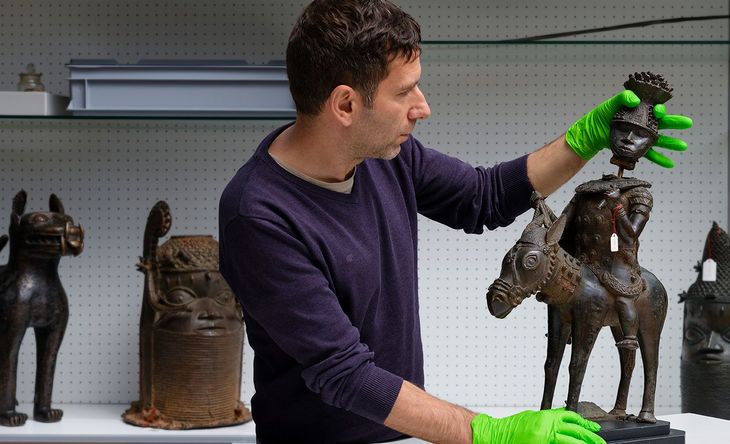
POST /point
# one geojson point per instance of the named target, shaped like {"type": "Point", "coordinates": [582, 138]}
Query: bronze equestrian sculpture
{"type": "Point", "coordinates": [705, 369]}
{"type": "Point", "coordinates": [585, 264]}
{"type": "Point", "coordinates": [579, 305]}
{"type": "Point", "coordinates": [191, 334]}
{"type": "Point", "coordinates": [31, 295]}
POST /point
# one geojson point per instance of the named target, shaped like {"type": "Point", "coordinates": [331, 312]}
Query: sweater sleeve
{"type": "Point", "coordinates": [281, 288]}
{"type": "Point", "coordinates": [458, 195]}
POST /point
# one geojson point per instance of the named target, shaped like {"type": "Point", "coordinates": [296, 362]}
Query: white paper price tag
{"type": "Point", "coordinates": [709, 271]}
{"type": "Point", "coordinates": [614, 243]}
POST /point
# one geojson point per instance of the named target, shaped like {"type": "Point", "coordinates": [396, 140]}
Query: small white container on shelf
{"type": "Point", "coordinates": [32, 103]}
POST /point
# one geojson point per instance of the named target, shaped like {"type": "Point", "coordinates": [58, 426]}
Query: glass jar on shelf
{"type": "Point", "coordinates": [30, 80]}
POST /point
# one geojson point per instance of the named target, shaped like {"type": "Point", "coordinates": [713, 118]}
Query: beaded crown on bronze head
{"type": "Point", "coordinates": [717, 246]}
{"type": "Point", "coordinates": [652, 89]}
{"type": "Point", "coordinates": [188, 253]}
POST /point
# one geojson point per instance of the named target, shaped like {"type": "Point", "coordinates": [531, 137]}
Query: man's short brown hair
{"type": "Point", "coordinates": [346, 42]}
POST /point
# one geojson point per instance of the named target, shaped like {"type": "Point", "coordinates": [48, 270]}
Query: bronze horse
{"type": "Point", "coordinates": [578, 307]}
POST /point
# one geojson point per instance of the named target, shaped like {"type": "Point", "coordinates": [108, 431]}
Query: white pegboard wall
{"type": "Point", "coordinates": [489, 103]}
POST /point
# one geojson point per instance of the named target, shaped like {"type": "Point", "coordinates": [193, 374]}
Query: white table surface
{"type": "Point", "coordinates": [91, 423]}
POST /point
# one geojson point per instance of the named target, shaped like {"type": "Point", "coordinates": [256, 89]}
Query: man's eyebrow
{"type": "Point", "coordinates": [409, 86]}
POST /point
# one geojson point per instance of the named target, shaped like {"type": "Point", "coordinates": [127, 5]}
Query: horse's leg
{"type": "Point", "coordinates": [585, 331]}
{"type": "Point", "coordinates": [649, 345]}
{"type": "Point", "coordinates": [628, 361]}
{"type": "Point", "coordinates": [652, 309]}
{"type": "Point", "coordinates": [558, 333]}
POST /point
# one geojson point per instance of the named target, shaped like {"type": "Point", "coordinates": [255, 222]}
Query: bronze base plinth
{"type": "Point", "coordinates": [151, 417]}
{"type": "Point", "coordinates": [626, 429]}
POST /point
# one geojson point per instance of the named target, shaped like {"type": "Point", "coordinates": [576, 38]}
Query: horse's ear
{"type": "Point", "coordinates": [535, 199]}
{"type": "Point", "coordinates": [537, 216]}
{"type": "Point", "coordinates": [556, 231]}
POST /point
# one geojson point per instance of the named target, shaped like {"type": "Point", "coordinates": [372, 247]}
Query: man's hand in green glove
{"type": "Point", "coordinates": [591, 133]}
{"type": "Point", "coordinates": [557, 426]}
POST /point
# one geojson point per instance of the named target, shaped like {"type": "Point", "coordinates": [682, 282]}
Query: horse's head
{"type": "Point", "coordinates": [528, 265]}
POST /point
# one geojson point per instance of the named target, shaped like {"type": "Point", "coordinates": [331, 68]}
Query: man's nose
{"type": "Point", "coordinates": [420, 110]}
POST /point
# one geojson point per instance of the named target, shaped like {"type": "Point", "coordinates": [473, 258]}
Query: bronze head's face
{"type": "Point", "coordinates": [706, 333]}
{"type": "Point", "coordinates": [630, 141]}
{"type": "Point", "coordinates": [198, 302]}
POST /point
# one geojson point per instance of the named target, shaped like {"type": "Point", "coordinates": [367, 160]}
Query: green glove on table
{"type": "Point", "coordinates": [557, 426]}
{"type": "Point", "coordinates": [590, 134]}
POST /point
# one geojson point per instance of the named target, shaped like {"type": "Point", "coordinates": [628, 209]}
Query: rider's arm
{"type": "Point", "coordinates": [631, 221]}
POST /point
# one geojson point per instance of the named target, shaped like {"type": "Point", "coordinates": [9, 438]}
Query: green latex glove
{"type": "Point", "coordinates": [590, 134]}
{"type": "Point", "coordinates": [557, 426]}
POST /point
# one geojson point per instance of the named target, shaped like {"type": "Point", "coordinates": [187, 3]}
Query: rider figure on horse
{"type": "Point", "coordinates": [606, 216]}
{"type": "Point", "coordinates": [600, 209]}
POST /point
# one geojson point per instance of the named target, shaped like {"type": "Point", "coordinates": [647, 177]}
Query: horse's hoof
{"type": "Point", "coordinates": [13, 419]}
{"type": "Point", "coordinates": [645, 416]}
{"type": "Point", "coordinates": [47, 414]}
{"type": "Point", "coordinates": [619, 413]}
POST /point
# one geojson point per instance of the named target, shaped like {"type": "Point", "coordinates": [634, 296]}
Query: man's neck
{"type": "Point", "coordinates": [310, 148]}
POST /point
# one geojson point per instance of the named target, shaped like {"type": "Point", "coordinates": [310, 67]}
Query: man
{"type": "Point", "coordinates": [318, 238]}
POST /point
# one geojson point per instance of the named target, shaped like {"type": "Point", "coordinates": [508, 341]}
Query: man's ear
{"type": "Point", "coordinates": [342, 102]}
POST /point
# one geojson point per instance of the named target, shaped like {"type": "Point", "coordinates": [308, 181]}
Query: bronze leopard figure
{"type": "Point", "coordinates": [31, 295]}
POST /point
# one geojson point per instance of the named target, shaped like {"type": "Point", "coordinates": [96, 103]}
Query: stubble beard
{"type": "Point", "coordinates": [384, 151]}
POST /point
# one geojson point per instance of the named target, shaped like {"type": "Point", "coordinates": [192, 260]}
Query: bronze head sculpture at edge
{"type": "Point", "coordinates": [705, 361]}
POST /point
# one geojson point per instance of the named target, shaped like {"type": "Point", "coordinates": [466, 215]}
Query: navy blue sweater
{"type": "Point", "coordinates": [329, 287]}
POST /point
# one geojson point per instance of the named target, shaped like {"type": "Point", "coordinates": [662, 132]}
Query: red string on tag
{"type": "Point", "coordinates": [613, 216]}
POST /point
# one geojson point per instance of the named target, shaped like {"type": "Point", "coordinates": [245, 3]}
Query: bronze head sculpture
{"type": "Point", "coordinates": [191, 334]}
{"type": "Point", "coordinates": [579, 305]}
{"type": "Point", "coordinates": [31, 295]}
{"type": "Point", "coordinates": [705, 369]}
{"type": "Point", "coordinates": [635, 130]}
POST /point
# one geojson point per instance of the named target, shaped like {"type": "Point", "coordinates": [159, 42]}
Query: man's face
{"type": "Point", "coordinates": [397, 105]}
